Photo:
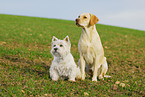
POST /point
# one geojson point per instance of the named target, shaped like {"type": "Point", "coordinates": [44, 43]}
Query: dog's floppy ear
{"type": "Point", "coordinates": [93, 20]}
{"type": "Point", "coordinates": [54, 39]}
{"type": "Point", "coordinates": [66, 39]}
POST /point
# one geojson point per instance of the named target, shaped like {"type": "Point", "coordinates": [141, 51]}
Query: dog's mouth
{"type": "Point", "coordinates": [78, 24]}
{"type": "Point", "coordinates": [56, 53]}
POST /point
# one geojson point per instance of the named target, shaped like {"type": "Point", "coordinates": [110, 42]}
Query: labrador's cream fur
{"type": "Point", "coordinates": [90, 47]}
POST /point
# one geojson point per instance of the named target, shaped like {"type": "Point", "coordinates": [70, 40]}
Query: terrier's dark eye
{"type": "Point", "coordinates": [54, 45]}
{"type": "Point", "coordinates": [85, 17]}
{"type": "Point", "coordinates": [61, 45]}
{"type": "Point", "coordinates": [78, 16]}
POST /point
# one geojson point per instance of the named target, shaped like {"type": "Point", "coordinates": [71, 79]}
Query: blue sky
{"type": "Point", "coordinates": [123, 13]}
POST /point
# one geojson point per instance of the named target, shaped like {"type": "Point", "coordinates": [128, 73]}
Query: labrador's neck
{"type": "Point", "coordinates": [90, 31]}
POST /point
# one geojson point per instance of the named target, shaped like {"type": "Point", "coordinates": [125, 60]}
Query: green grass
{"type": "Point", "coordinates": [25, 58]}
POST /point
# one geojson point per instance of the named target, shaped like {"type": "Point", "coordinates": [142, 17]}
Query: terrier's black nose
{"type": "Point", "coordinates": [55, 49]}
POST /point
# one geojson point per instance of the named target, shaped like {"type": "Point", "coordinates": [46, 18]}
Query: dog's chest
{"type": "Point", "coordinates": [63, 70]}
{"type": "Point", "coordinates": [87, 49]}
{"type": "Point", "coordinates": [64, 67]}
{"type": "Point", "coordinates": [84, 45]}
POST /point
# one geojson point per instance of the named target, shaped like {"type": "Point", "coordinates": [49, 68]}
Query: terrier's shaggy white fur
{"type": "Point", "coordinates": [63, 66]}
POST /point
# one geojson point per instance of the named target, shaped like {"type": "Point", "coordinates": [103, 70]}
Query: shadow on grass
{"type": "Point", "coordinates": [35, 67]}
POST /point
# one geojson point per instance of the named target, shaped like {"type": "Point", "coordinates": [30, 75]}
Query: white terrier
{"type": "Point", "coordinates": [63, 66]}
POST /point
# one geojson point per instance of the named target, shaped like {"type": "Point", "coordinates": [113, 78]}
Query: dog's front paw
{"type": "Point", "coordinates": [72, 80]}
{"type": "Point", "coordinates": [94, 79]}
{"type": "Point", "coordinates": [55, 79]}
{"type": "Point", "coordinates": [82, 76]}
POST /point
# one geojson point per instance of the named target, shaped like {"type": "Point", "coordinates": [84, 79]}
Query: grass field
{"type": "Point", "coordinates": [25, 58]}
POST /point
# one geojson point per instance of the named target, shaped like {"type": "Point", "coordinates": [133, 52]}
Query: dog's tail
{"type": "Point", "coordinates": [107, 76]}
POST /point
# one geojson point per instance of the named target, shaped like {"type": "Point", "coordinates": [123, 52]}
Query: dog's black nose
{"type": "Point", "coordinates": [77, 20]}
{"type": "Point", "coordinates": [55, 49]}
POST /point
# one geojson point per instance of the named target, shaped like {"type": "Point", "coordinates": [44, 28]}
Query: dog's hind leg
{"type": "Point", "coordinates": [104, 70]}
{"type": "Point", "coordinates": [72, 77]}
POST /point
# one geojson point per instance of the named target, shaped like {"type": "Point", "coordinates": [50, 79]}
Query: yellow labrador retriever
{"type": "Point", "coordinates": [90, 47]}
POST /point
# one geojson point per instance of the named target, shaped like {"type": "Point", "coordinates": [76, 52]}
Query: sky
{"type": "Point", "coordinates": [122, 13]}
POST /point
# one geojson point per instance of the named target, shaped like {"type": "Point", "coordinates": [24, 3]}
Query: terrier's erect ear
{"type": "Point", "coordinates": [66, 39]}
{"type": "Point", "coordinates": [54, 39]}
{"type": "Point", "coordinates": [93, 20]}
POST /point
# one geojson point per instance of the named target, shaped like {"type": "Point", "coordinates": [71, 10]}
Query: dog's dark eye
{"type": "Point", "coordinates": [85, 17]}
{"type": "Point", "coordinates": [54, 45]}
{"type": "Point", "coordinates": [61, 45]}
{"type": "Point", "coordinates": [78, 16]}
